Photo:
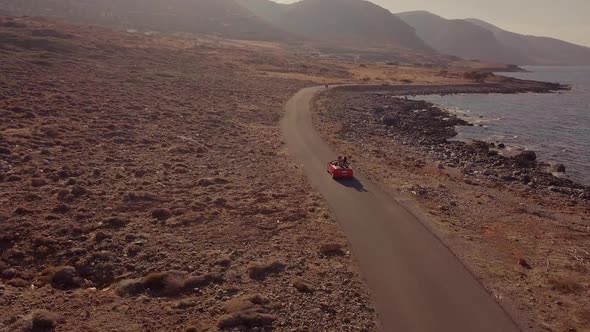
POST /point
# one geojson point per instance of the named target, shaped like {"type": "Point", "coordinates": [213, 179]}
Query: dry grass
{"type": "Point", "coordinates": [161, 178]}
{"type": "Point", "coordinates": [566, 285]}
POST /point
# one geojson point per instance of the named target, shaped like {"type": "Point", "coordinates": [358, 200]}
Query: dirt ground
{"type": "Point", "coordinates": [529, 248]}
{"type": "Point", "coordinates": [144, 186]}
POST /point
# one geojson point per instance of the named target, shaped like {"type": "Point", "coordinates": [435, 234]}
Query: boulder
{"type": "Point", "coordinates": [161, 214]}
{"type": "Point", "coordinates": [13, 178]}
{"type": "Point", "coordinates": [38, 182]}
{"type": "Point", "coordinates": [522, 262]}
{"type": "Point", "coordinates": [247, 320]}
{"type": "Point", "coordinates": [206, 182]}
{"type": "Point", "coordinates": [303, 286]}
{"type": "Point", "coordinates": [129, 287]}
{"type": "Point", "coordinates": [8, 273]}
{"type": "Point", "coordinates": [61, 277]}
{"type": "Point", "coordinates": [331, 249]}
{"type": "Point", "coordinates": [529, 156]}
{"type": "Point", "coordinates": [61, 209]}
{"type": "Point", "coordinates": [244, 303]}
{"type": "Point", "coordinates": [78, 191]}
{"type": "Point", "coordinates": [246, 313]}
{"type": "Point", "coordinates": [525, 158]}
{"type": "Point", "coordinates": [44, 320]}
{"type": "Point", "coordinates": [18, 283]}
{"type": "Point", "coordinates": [557, 168]}
{"type": "Point", "coordinates": [390, 121]}
{"type": "Point", "coordinates": [115, 222]}
{"type": "Point", "coordinates": [481, 145]}
{"type": "Point", "coordinates": [259, 271]}
{"type": "Point", "coordinates": [166, 284]}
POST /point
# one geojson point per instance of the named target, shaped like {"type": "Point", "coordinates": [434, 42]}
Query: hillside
{"type": "Point", "coordinates": [540, 50]}
{"type": "Point", "coordinates": [218, 17]}
{"type": "Point", "coordinates": [346, 21]}
{"type": "Point", "coordinates": [473, 38]}
{"type": "Point", "coordinates": [460, 38]}
{"type": "Point", "coordinates": [144, 188]}
{"type": "Point", "coordinates": [266, 9]}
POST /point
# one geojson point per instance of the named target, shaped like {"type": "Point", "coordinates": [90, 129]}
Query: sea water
{"type": "Point", "coordinates": [556, 125]}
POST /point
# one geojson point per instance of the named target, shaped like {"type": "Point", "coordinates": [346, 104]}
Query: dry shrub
{"type": "Point", "coordinates": [259, 271]}
{"type": "Point", "coordinates": [565, 285]}
{"type": "Point", "coordinates": [166, 284]}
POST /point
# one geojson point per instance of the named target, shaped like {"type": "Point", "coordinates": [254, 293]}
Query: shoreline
{"type": "Point", "coordinates": [523, 242]}
{"type": "Point", "coordinates": [438, 132]}
{"type": "Point", "coordinates": [509, 148]}
{"type": "Point", "coordinates": [501, 85]}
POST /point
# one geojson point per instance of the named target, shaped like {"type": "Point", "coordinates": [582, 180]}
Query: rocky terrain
{"type": "Point", "coordinates": [521, 230]}
{"type": "Point", "coordinates": [224, 18]}
{"type": "Point", "coordinates": [145, 187]}
{"type": "Point", "coordinates": [398, 118]}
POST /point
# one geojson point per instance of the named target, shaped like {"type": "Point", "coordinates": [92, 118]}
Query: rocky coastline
{"type": "Point", "coordinates": [521, 230]}
{"type": "Point", "coordinates": [387, 112]}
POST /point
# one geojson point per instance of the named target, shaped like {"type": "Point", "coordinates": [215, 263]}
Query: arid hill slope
{"type": "Point", "coordinates": [460, 38]}
{"type": "Point", "coordinates": [473, 38]}
{"type": "Point", "coordinates": [357, 22]}
{"type": "Point", "coordinates": [144, 186]}
{"type": "Point", "coordinates": [219, 17]}
{"type": "Point", "coordinates": [540, 50]}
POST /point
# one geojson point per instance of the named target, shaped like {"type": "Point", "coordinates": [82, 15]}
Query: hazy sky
{"type": "Point", "coordinates": [564, 19]}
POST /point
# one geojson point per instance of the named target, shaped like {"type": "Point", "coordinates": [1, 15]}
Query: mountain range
{"type": "Point", "coordinates": [347, 21]}
{"type": "Point", "coordinates": [539, 50]}
{"type": "Point", "coordinates": [473, 38]}
{"type": "Point", "coordinates": [353, 23]}
{"type": "Point", "coordinates": [215, 17]}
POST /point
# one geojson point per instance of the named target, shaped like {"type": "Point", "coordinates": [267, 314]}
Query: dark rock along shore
{"type": "Point", "coordinates": [384, 110]}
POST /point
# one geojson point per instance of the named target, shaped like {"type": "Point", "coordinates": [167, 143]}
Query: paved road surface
{"type": "Point", "coordinates": [416, 283]}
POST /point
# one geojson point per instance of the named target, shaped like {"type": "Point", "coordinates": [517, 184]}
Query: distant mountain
{"type": "Point", "coordinates": [345, 21]}
{"type": "Point", "coordinates": [539, 50]}
{"type": "Point", "coordinates": [220, 17]}
{"type": "Point", "coordinates": [266, 9]}
{"type": "Point", "coordinates": [474, 38]}
{"type": "Point", "coordinates": [460, 38]}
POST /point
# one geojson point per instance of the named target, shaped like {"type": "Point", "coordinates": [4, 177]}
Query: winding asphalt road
{"type": "Point", "coordinates": [416, 283]}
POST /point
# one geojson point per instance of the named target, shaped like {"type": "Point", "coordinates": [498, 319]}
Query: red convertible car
{"type": "Point", "coordinates": [340, 171]}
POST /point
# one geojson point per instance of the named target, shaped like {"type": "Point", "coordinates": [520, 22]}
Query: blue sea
{"type": "Point", "coordinates": [556, 126]}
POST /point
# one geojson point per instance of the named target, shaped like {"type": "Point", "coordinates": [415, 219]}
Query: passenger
{"type": "Point", "coordinates": [345, 162]}
{"type": "Point", "coordinates": [340, 161]}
